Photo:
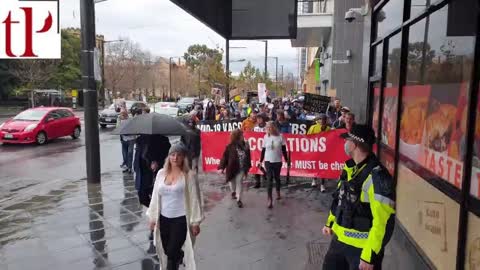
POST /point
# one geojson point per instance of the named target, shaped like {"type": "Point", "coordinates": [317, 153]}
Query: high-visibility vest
{"type": "Point", "coordinates": [363, 211]}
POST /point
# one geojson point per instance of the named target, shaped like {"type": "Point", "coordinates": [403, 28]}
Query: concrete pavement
{"type": "Point", "coordinates": [50, 218]}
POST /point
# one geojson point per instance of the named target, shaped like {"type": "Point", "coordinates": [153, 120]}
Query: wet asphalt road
{"type": "Point", "coordinates": [27, 166]}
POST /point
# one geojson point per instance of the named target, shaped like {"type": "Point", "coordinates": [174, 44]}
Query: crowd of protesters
{"type": "Point", "coordinates": [280, 112]}
{"type": "Point", "coordinates": [166, 176]}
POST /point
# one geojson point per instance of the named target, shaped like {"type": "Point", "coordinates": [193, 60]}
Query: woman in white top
{"type": "Point", "coordinates": [175, 211]}
{"type": "Point", "coordinates": [272, 150]}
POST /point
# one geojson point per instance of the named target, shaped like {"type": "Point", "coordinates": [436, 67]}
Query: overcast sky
{"type": "Point", "coordinates": [166, 30]}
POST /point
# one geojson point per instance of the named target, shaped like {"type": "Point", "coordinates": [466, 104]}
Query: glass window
{"type": "Point", "coordinates": [429, 216]}
{"type": "Point", "coordinates": [378, 60]}
{"type": "Point", "coordinates": [390, 93]}
{"type": "Point", "coordinates": [472, 260]}
{"type": "Point", "coordinates": [389, 17]}
{"type": "Point", "coordinates": [376, 107]}
{"type": "Point", "coordinates": [438, 73]}
{"type": "Point", "coordinates": [475, 182]}
{"type": "Point", "coordinates": [54, 115]}
{"type": "Point", "coordinates": [64, 113]}
{"type": "Point", "coordinates": [418, 6]}
{"type": "Point", "coordinates": [387, 157]}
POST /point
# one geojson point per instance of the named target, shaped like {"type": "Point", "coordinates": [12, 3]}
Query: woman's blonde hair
{"type": "Point", "coordinates": [274, 127]}
{"type": "Point", "coordinates": [185, 167]}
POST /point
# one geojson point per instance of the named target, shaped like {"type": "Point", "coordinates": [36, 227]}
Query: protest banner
{"type": "Point", "coordinates": [318, 155]}
{"type": "Point", "coordinates": [316, 103]}
{"type": "Point", "coordinates": [296, 127]}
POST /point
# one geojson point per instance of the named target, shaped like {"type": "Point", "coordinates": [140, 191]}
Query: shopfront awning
{"type": "Point", "coordinates": [245, 19]}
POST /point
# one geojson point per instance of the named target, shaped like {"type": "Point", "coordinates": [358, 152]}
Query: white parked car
{"type": "Point", "coordinates": [167, 108]}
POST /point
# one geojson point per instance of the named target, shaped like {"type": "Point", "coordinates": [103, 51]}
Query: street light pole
{"type": "Point", "coordinates": [227, 67]}
{"type": "Point", "coordinates": [170, 71]}
{"type": "Point", "coordinates": [92, 144]}
{"type": "Point", "coordinates": [266, 56]}
{"type": "Point", "coordinates": [276, 75]}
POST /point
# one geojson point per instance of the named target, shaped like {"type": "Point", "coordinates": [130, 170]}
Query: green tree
{"type": "Point", "coordinates": [251, 76]}
{"type": "Point", "coordinates": [206, 64]}
{"type": "Point", "coordinates": [7, 81]}
{"type": "Point", "coordinates": [68, 72]}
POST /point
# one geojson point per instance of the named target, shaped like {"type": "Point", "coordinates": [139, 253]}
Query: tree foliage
{"type": "Point", "coordinates": [250, 77]}
{"type": "Point", "coordinates": [206, 64]}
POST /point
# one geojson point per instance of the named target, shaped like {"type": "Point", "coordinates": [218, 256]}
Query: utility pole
{"type": "Point", "coordinates": [170, 71]}
{"type": "Point", "coordinates": [227, 67]}
{"type": "Point", "coordinates": [276, 75]}
{"type": "Point", "coordinates": [284, 94]}
{"type": "Point", "coordinates": [92, 144]}
{"type": "Point", "coordinates": [266, 56]}
{"type": "Point", "coordinates": [102, 92]}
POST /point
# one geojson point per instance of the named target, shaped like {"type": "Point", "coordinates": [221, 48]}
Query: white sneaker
{"type": "Point", "coordinates": [322, 188]}
{"type": "Point", "coordinates": [314, 183]}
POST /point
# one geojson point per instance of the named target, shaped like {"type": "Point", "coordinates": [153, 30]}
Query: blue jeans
{"type": "Point", "coordinates": [127, 153]}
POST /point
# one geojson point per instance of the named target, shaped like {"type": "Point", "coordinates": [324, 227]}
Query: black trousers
{"type": "Point", "coordinates": [273, 172]}
{"type": "Point", "coordinates": [173, 232]}
{"type": "Point", "coordinates": [146, 187]}
{"type": "Point", "coordinates": [344, 257]}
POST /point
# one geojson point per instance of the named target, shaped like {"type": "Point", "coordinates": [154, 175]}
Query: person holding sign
{"type": "Point", "coordinates": [362, 216]}
{"type": "Point", "coordinates": [272, 150]}
{"type": "Point", "coordinates": [320, 126]}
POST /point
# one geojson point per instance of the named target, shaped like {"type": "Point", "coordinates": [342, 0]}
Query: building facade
{"type": "Point", "coordinates": [327, 40]}
{"type": "Point", "coordinates": [424, 107]}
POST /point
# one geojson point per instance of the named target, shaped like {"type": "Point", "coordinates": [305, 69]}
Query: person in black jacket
{"type": "Point", "coordinates": [150, 155]}
{"type": "Point", "coordinates": [192, 141]}
{"type": "Point", "coordinates": [236, 161]}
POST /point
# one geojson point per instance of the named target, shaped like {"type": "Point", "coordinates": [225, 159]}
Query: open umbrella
{"type": "Point", "coordinates": [151, 124]}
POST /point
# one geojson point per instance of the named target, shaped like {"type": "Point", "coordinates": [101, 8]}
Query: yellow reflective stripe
{"type": "Point", "coordinates": [384, 200]}
{"type": "Point", "coordinates": [350, 237]}
{"type": "Point", "coordinates": [366, 186]}
{"type": "Point", "coordinates": [330, 220]}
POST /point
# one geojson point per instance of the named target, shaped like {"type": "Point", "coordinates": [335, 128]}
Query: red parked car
{"type": "Point", "coordinates": [39, 125]}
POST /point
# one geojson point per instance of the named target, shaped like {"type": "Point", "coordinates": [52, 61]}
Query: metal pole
{"type": "Point", "coordinates": [227, 67]}
{"type": "Point", "coordinates": [92, 145]}
{"type": "Point", "coordinates": [102, 98]}
{"type": "Point", "coordinates": [170, 71]}
{"type": "Point", "coordinates": [424, 49]}
{"type": "Point", "coordinates": [283, 81]}
{"type": "Point", "coordinates": [276, 75]}
{"type": "Point", "coordinates": [266, 56]}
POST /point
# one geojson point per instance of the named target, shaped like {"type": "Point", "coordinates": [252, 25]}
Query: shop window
{"type": "Point", "coordinates": [376, 107]}
{"type": "Point", "coordinates": [472, 260]}
{"type": "Point", "coordinates": [435, 97]}
{"type": "Point", "coordinates": [387, 158]}
{"type": "Point", "coordinates": [475, 182]}
{"type": "Point", "coordinates": [418, 6]}
{"type": "Point", "coordinates": [389, 17]}
{"type": "Point", "coordinates": [377, 72]}
{"type": "Point", "coordinates": [390, 93]}
{"type": "Point", "coordinates": [429, 216]}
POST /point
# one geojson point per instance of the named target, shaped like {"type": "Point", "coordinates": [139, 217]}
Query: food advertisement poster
{"type": "Point", "coordinates": [389, 116]}
{"type": "Point", "coordinates": [431, 128]}
{"type": "Point", "coordinates": [388, 160]}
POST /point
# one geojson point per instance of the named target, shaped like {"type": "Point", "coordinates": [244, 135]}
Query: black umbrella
{"type": "Point", "coordinates": [151, 124]}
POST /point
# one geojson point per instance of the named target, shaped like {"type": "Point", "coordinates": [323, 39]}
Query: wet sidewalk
{"type": "Point", "coordinates": [80, 226]}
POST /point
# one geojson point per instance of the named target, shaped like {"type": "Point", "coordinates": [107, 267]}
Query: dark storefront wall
{"type": "Point", "coordinates": [420, 82]}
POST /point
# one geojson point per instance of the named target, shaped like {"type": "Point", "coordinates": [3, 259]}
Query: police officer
{"type": "Point", "coordinates": [362, 215]}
